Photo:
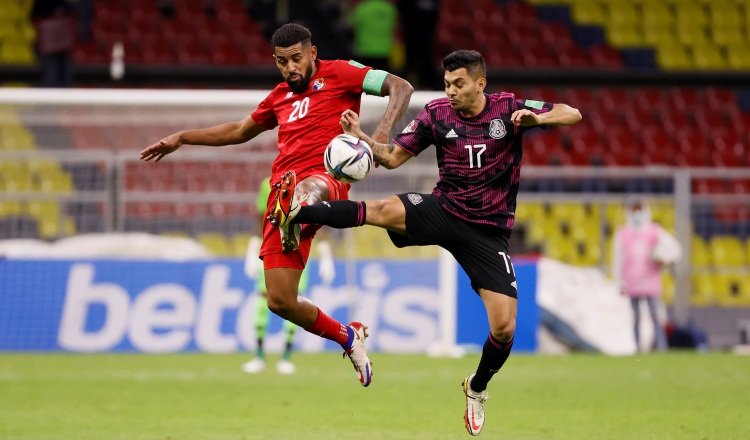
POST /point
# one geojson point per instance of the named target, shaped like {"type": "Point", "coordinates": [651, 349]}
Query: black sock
{"type": "Point", "coordinates": [494, 355]}
{"type": "Point", "coordinates": [337, 214]}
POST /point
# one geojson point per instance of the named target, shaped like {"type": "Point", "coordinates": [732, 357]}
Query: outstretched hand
{"type": "Point", "coordinates": [525, 118]}
{"type": "Point", "coordinates": [350, 123]}
{"type": "Point", "coordinates": [160, 149]}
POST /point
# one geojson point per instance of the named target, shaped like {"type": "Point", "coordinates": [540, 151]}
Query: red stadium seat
{"type": "Point", "coordinates": [605, 57]}
{"type": "Point", "coordinates": [158, 53]}
{"type": "Point", "coordinates": [649, 99]}
{"type": "Point", "coordinates": [90, 53]}
{"type": "Point", "coordinates": [191, 53]}
{"type": "Point", "coordinates": [685, 98]}
{"type": "Point", "coordinates": [718, 98]}
{"type": "Point", "coordinates": [227, 54]}
{"type": "Point", "coordinates": [573, 57]}
{"type": "Point", "coordinates": [615, 99]}
{"type": "Point", "coordinates": [709, 186]}
{"type": "Point", "coordinates": [580, 97]}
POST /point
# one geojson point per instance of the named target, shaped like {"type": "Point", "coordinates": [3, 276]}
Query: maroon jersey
{"type": "Point", "coordinates": [479, 158]}
{"type": "Point", "coordinates": [309, 120]}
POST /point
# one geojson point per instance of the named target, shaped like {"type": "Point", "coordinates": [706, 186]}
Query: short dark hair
{"type": "Point", "coordinates": [471, 60]}
{"type": "Point", "coordinates": [291, 34]}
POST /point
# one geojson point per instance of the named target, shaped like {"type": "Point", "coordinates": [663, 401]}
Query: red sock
{"type": "Point", "coordinates": [329, 328]}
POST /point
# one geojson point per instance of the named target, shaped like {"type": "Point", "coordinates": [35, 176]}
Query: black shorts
{"type": "Point", "coordinates": [482, 251]}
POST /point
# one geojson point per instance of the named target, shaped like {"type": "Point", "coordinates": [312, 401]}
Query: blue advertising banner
{"type": "Point", "coordinates": [162, 307]}
{"type": "Point", "coordinates": [472, 326]}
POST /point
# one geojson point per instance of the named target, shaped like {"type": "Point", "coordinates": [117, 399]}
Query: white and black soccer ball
{"type": "Point", "coordinates": [348, 158]}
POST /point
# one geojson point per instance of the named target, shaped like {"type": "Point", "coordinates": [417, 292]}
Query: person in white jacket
{"type": "Point", "coordinates": [641, 250]}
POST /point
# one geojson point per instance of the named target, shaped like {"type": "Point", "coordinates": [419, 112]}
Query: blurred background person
{"type": "Point", "coordinates": [641, 249]}
{"type": "Point", "coordinates": [374, 24]}
{"type": "Point", "coordinates": [419, 20]}
{"type": "Point", "coordinates": [55, 37]}
{"type": "Point", "coordinates": [254, 271]}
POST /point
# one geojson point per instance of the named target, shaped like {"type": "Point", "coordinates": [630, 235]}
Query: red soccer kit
{"type": "Point", "coordinates": [307, 122]}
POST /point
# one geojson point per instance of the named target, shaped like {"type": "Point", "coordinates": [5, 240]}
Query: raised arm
{"type": "Point", "coordinates": [559, 114]}
{"type": "Point", "coordinates": [399, 93]}
{"type": "Point", "coordinates": [228, 133]}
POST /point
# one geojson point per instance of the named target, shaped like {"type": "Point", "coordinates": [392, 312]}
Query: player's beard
{"type": "Point", "coordinates": [301, 85]}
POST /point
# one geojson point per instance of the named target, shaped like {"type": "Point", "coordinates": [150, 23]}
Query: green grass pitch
{"type": "Point", "coordinates": [203, 396]}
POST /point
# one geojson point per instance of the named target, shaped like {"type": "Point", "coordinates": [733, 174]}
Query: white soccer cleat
{"type": "Point", "coordinates": [358, 355]}
{"type": "Point", "coordinates": [474, 413]}
{"type": "Point", "coordinates": [287, 207]}
{"type": "Point", "coordinates": [284, 366]}
{"type": "Point", "coordinates": [254, 366]}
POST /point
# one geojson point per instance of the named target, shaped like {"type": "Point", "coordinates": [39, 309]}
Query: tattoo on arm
{"type": "Point", "coordinates": [382, 153]}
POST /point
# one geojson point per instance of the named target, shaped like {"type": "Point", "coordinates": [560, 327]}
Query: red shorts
{"type": "Point", "coordinates": [270, 250]}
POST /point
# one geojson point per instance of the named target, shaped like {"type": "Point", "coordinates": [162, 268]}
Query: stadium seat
{"type": "Point", "coordinates": [216, 243]}
{"type": "Point", "coordinates": [732, 289]}
{"type": "Point", "coordinates": [726, 251]}
{"type": "Point", "coordinates": [703, 290]}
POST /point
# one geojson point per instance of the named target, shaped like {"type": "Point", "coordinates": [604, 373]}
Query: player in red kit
{"type": "Point", "coordinates": [306, 107]}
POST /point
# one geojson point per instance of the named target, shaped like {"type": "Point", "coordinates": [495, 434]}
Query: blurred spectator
{"type": "Point", "coordinates": [55, 35]}
{"type": "Point", "coordinates": [374, 24]}
{"type": "Point", "coordinates": [419, 23]}
{"type": "Point", "coordinates": [641, 249]}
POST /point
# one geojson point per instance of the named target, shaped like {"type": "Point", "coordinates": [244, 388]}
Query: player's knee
{"type": "Point", "coordinates": [312, 190]}
{"type": "Point", "coordinates": [280, 305]}
{"type": "Point", "coordinates": [504, 331]}
{"type": "Point", "coordinates": [380, 212]}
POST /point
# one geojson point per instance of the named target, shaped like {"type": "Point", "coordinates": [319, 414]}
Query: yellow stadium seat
{"type": "Point", "coordinates": [622, 13]}
{"type": "Point", "coordinates": [733, 289]}
{"type": "Point", "coordinates": [689, 35]}
{"type": "Point", "coordinates": [663, 213]}
{"type": "Point", "coordinates": [673, 57]}
{"type": "Point", "coordinates": [572, 212]}
{"type": "Point", "coordinates": [540, 229]}
{"type": "Point", "coordinates": [238, 244]}
{"type": "Point", "coordinates": [46, 209]}
{"type": "Point", "coordinates": [10, 208]}
{"type": "Point", "coordinates": [215, 242]}
{"type": "Point", "coordinates": [607, 255]}
{"type": "Point", "coordinates": [624, 35]}
{"type": "Point", "coordinates": [726, 250]}
{"type": "Point", "coordinates": [560, 249]}
{"type": "Point", "coordinates": [738, 57]}
{"type": "Point", "coordinates": [667, 281]}
{"type": "Point", "coordinates": [614, 215]}
{"type": "Point", "coordinates": [17, 53]}
{"type": "Point", "coordinates": [690, 16]}
{"type": "Point", "coordinates": [529, 211]}
{"type": "Point", "coordinates": [657, 35]}
{"type": "Point", "coordinates": [60, 182]}
{"type": "Point", "coordinates": [590, 254]}
{"type": "Point", "coordinates": [703, 289]}
{"type": "Point", "coordinates": [709, 57]}
{"type": "Point", "coordinates": [16, 137]}
{"type": "Point", "coordinates": [700, 257]}
{"type": "Point", "coordinates": [728, 35]}
{"type": "Point", "coordinates": [657, 13]}
{"type": "Point", "coordinates": [588, 13]}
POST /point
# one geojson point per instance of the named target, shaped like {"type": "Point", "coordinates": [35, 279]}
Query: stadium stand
{"type": "Point", "coordinates": [649, 126]}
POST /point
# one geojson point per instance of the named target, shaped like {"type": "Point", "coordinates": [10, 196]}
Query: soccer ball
{"type": "Point", "coordinates": [348, 158]}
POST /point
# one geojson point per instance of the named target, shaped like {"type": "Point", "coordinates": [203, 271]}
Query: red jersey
{"type": "Point", "coordinates": [309, 120]}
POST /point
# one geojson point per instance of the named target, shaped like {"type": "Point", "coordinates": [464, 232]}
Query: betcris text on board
{"type": "Point", "coordinates": [210, 307]}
